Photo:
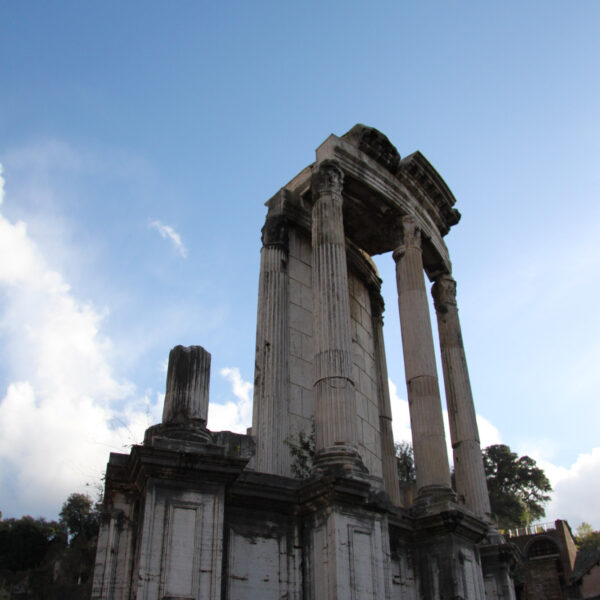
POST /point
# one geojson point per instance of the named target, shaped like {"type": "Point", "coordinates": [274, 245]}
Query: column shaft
{"type": "Point", "coordinates": [388, 451]}
{"type": "Point", "coordinates": [468, 463]}
{"type": "Point", "coordinates": [270, 419]}
{"type": "Point", "coordinates": [429, 444]}
{"type": "Point", "coordinates": [334, 396]}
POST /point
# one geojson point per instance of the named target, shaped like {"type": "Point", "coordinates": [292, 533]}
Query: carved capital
{"type": "Point", "coordinates": [411, 233]}
{"type": "Point", "coordinates": [411, 237]}
{"type": "Point", "coordinates": [444, 292]}
{"type": "Point", "coordinates": [327, 178]}
{"type": "Point", "coordinates": [275, 232]}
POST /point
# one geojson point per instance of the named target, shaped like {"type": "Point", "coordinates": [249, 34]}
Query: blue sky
{"type": "Point", "coordinates": [140, 140]}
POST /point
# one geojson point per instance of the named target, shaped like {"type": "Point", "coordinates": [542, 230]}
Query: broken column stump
{"type": "Point", "coordinates": [185, 409]}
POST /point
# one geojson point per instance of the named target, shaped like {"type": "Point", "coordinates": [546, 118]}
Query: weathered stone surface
{"type": "Point", "coordinates": [194, 514]}
{"type": "Point", "coordinates": [376, 145]}
{"type": "Point", "coordinates": [334, 394]}
{"type": "Point", "coordinates": [270, 420]}
{"type": "Point", "coordinates": [469, 472]}
{"type": "Point", "coordinates": [188, 379]}
{"type": "Point", "coordinates": [429, 443]}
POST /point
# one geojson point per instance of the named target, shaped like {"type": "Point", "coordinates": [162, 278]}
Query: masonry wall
{"type": "Point", "coordinates": [301, 377]}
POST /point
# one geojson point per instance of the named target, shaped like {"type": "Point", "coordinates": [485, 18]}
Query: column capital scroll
{"type": "Point", "coordinates": [328, 177]}
{"type": "Point", "coordinates": [275, 232]}
{"type": "Point", "coordinates": [411, 237]}
{"type": "Point", "coordinates": [444, 292]}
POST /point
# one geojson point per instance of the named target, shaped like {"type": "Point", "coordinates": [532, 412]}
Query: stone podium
{"type": "Point", "coordinates": [194, 514]}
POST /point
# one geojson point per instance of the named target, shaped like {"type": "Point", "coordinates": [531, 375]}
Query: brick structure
{"type": "Point", "coordinates": [548, 560]}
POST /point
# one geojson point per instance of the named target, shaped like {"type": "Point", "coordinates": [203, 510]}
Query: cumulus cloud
{"type": "Point", "coordinates": [400, 415]}
{"type": "Point", "coordinates": [59, 414]}
{"type": "Point", "coordinates": [576, 488]}
{"type": "Point", "coordinates": [168, 233]}
{"type": "Point", "coordinates": [232, 416]}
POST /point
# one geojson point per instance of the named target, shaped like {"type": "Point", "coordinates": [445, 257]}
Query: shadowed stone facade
{"type": "Point", "coordinates": [198, 514]}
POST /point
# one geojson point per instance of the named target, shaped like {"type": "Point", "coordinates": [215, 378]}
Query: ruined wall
{"type": "Point", "coordinates": [263, 556]}
{"type": "Point", "coordinates": [301, 375]}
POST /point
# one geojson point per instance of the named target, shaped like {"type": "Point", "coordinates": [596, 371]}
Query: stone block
{"type": "Point", "coordinates": [300, 319]}
{"type": "Point", "coordinates": [296, 343]}
{"type": "Point", "coordinates": [301, 372]}
{"type": "Point", "coordinates": [296, 399]}
{"type": "Point", "coordinates": [307, 348]}
{"type": "Point", "coordinates": [300, 271]}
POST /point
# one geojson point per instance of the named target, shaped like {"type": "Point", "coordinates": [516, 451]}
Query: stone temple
{"type": "Point", "coordinates": [196, 514]}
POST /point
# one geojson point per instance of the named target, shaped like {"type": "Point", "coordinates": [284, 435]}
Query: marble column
{"type": "Point", "coordinates": [270, 418]}
{"type": "Point", "coordinates": [429, 444]}
{"type": "Point", "coordinates": [471, 485]}
{"type": "Point", "coordinates": [188, 378]}
{"type": "Point", "coordinates": [334, 395]}
{"type": "Point", "coordinates": [388, 451]}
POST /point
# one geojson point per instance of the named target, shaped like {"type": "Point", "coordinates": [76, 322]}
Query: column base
{"type": "Point", "coordinates": [171, 435]}
{"type": "Point", "coordinates": [433, 498]}
{"type": "Point", "coordinates": [341, 460]}
{"type": "Point", "coordinates": [499, 561]}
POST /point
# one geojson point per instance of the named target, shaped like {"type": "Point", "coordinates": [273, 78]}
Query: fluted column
{"type": "Point", "coordinates": [388, 451]}
{"type": "Point", "coordinates": [270, 418]}
{"type": "Point", "coordinates": [188, 378]}
{"type": "Point", "coordinates": [334, 396]}
{"type": "Point", "coordinates": [429, 444]}
{"type": "Point", "coordinates": [468, 463]}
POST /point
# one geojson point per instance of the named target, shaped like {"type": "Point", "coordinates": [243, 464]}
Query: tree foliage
{"type": "Point", "coordinates": [79, 516]}
{"type": "Point", "coordinates": [48, 559]}
{"type": "Point", "coordinates": [587, 539]}
{"type": "Point", "coordinates": [24, 542]}
{"type": "Point", "coordinates": [518, 488]}
{"type": "Point", "coordinates": [405, 462]}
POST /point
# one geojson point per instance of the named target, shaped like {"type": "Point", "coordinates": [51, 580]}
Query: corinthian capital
{"type": "Point", "coordinates": [444, 292]}
{"type": "Point", "coordinates": [411, 236]}
{"type": "Point", "coordinates": [411, 233]}
{"type": "Point", "coordinates": [328, 177]}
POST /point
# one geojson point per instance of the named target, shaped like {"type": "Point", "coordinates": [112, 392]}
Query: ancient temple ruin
{"type": "Point", "coordinates": [195, 514]}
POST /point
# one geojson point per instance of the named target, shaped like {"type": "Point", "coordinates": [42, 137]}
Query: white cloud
{"type": "Point", "coordinates": [400, 415]}
{"type": "Point", "coordinates": [167, 232]}
{"type": "Point", "coordinates": [576, 488]}
{"type": "Point", "coordinates": [58, 414]}
{"type": "Point", "coordinates": [232, 416]}
{"type": "Point", "coordinates": [488, 433]}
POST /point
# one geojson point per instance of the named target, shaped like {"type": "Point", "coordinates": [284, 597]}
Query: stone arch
{"type": "Point", "coordinates": [542, 546]}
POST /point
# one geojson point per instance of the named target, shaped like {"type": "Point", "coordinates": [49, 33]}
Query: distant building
{"type": "Point", "coordinates": [552, 569]}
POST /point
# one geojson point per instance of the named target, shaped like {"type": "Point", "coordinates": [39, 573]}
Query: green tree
{"type": "Point", "coordinates": [587, 539]}
{"type": "Point", "coordinates": [80, 516]}
{"type": "Point", "coordinates": [405, 462]}
{"type": "Point", "coordinates": [24, 542]}
{"type": "Point", "coordinates": [518, 488]}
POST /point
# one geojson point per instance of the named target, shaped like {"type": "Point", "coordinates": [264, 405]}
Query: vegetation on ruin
{"type": "Point", "coordinates": [302, 451]}
{"type": "Point", "coordinates": [405, 462]}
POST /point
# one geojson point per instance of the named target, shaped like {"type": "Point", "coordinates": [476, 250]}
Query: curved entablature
{"type": "Point", "coordinates": [379, 189]}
